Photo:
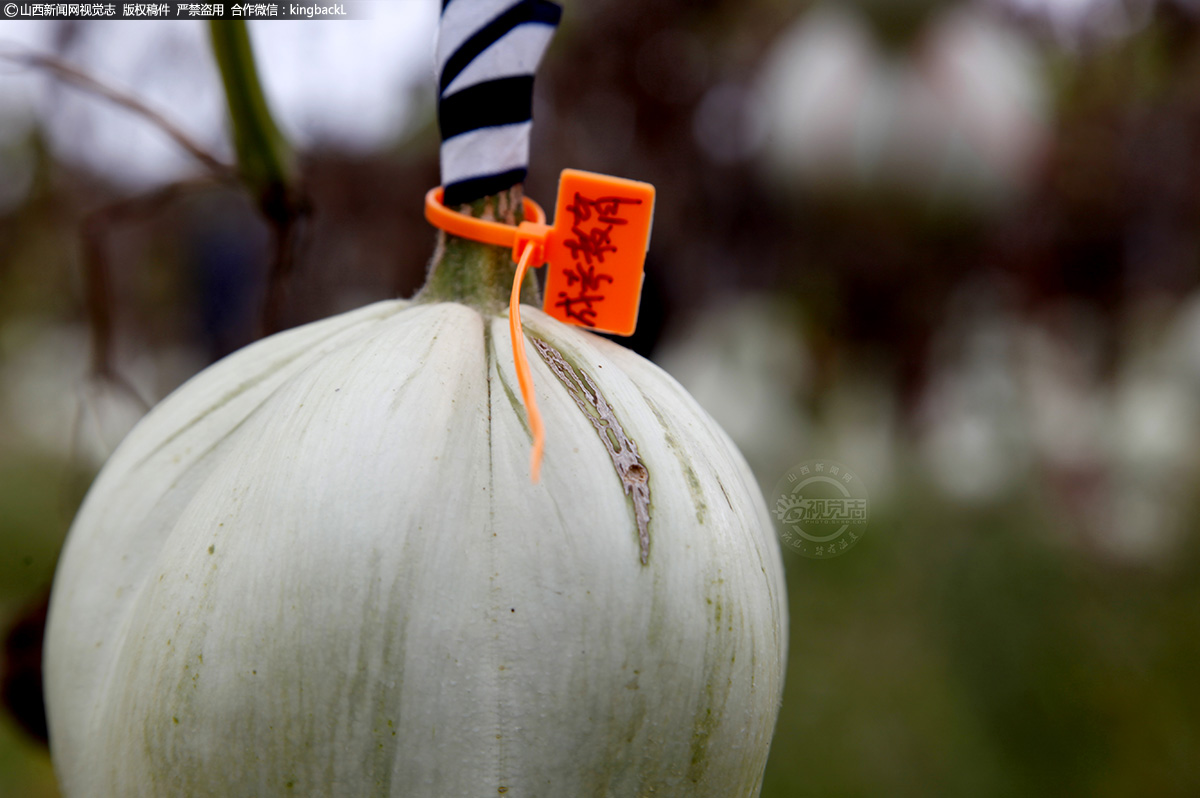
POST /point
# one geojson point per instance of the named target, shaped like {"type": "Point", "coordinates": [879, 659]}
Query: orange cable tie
{"type": "Point", "coordinates": [524, 375]}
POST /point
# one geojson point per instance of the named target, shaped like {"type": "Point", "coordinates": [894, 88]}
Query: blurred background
{"type": "Point", "coordinates": [954, 245]}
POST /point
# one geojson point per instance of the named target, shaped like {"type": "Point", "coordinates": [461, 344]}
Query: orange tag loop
{"type": "Point", "coordinates": [481, 230]}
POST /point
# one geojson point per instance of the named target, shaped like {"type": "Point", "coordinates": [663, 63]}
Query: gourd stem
{"type": "Point", "coordinates": [480, 275]}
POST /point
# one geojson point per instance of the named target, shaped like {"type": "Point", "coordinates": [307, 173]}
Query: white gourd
{"type": "Point", "coordinates": [320, 568]}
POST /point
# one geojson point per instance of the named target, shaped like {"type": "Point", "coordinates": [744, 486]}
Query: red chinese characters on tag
{"type": "Point", "coordinates": [596, 251]}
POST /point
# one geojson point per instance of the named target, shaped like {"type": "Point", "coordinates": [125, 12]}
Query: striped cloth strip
{"type": "Point", "coordinates": [487, 53]}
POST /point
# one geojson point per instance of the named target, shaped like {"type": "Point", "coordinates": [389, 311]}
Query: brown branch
{"type": "Point", "coordinates": [284, 209]}
{"type": "Point", "coordinates": [97, 275]}
{"type": "Point", "coordinates": [287, 215]}
{"type": "Point", "coordinates": [75, 77]}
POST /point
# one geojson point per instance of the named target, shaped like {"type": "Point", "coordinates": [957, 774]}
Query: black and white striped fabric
{"type": "Point", "coordinates": [487, 53]}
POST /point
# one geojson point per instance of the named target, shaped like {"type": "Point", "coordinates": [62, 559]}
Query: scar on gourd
{"type": "Point", "coordinates": [623, 450]}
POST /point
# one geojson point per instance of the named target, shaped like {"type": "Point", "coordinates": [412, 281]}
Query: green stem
{"type": "Point", "coordinates": [264, 160]}
{"type": "Point", "coordinates": [478, 274]}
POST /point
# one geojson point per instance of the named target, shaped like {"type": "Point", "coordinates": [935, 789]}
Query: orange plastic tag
{"type": "Point", "coordinates": [596, 250]}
